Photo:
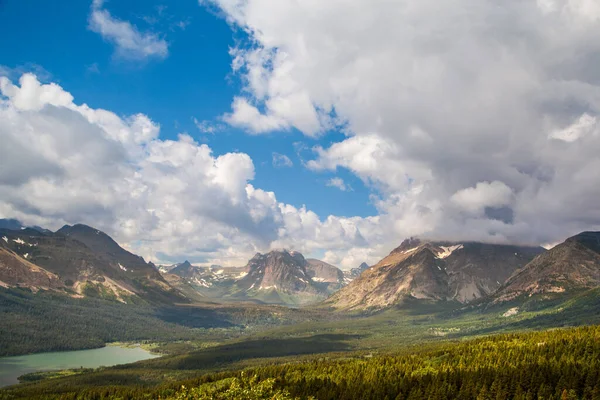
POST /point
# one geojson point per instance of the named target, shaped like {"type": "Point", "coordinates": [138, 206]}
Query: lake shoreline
{"type": "Point", "coordinates": [14, 367]}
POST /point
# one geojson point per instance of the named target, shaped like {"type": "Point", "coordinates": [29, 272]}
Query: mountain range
{"type": "Point", "coordinates": [277, 277]}
{"type": "Point", "coordinates": [82, 261]}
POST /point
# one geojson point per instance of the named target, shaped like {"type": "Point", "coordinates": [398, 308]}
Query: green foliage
{"type": "Point", "coordinates": [550, 365]}
{"type": "Point", "coordinates": [561, 364]}
{"type": "Point", "coordinates": [235, 388]}
{"type": "Point", "coordinates": [41, 375]}
{"type": "Point", "coordinates": [49, 321]}
{"type": "Point", "coordinates": [54, 322]}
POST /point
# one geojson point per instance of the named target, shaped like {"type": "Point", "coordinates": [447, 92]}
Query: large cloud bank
{"type": "Point", "coordinates": [168, 200]}
{"type": "Point", "coordinates": [474, 119]}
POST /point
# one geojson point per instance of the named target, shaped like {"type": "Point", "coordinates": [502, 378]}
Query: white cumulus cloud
{"type": "Point", "coordinates": [166, 199]}
{"type": "Point", "coordinates": [469, 119]}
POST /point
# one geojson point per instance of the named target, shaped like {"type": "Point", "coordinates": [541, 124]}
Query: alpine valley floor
{"type": "Point", "coordinates": [450, 350]}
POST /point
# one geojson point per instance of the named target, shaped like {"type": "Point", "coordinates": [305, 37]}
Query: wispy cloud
{"type": "Point", "coordinates": [92, 68]}
{"type": "Point", "coordinates": [340, 184]}
{"type": "Point", "coordinates": [208, 126]}
{"type": "Point", "coordinates": [129, 42]}
{"type": "Point", "coordinates": [281, 161]}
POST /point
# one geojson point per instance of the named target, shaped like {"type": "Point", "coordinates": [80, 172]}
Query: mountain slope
{"type": "Point", "coordinates": [571, 265]}
{"type": "Point", "coordinates": [437, 271]}
{"type": "Point", "coordinates": [116, 262]}
{"type": "Point", "coordinates": [89, 263]}
{"type": "Point", "coordinates": [405, 272]}
{"type": "Point", "coordinates": [476, 270]}
{"type": "Point", "coordinates": [325, 275]}
{"type": "Point", "coordinates": [16, 271]}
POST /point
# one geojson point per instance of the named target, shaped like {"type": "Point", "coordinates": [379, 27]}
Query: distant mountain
{"type": "Point", "coordinates": [11, 224]}
{"type": "Point", "coordinates": [278, 277]}
{"type": "Point", "coordinates": [281, 277]}
{"type": "Point", "coordinates": [15, 225]}
{"type": "Point", "coordinates": [90, 263]}
{"type": "Point", "coordinates": [214, 281]}
{"type": "Point", "coordinates": [165, 268]}
{"type": "Point", "coordinates": [184, 269]}
{"type": "Point", "coordinates": [570, 266]}
{"type": "Point", "coordinates": [184, 286]}
{"type": "Point", "coordinates": [355, 272]}
{"type": "Point", "coordinates": [435, 271]}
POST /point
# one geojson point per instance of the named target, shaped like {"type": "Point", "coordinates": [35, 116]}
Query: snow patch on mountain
{"type": "Point", "coordinates": [511, 312]}
{"type": "Point", "coordinates": [446, 251]}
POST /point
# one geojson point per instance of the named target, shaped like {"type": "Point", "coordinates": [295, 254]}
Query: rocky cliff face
{"type": "Point", "coordinates": [571, 265]}
{"type": "Point", "coordinates": [279, 276]}
{"type": "Point", "coordinates": [435, 271]}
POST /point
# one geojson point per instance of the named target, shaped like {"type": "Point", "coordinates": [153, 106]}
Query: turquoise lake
{"type": "Point", "coordinates": [13, 367]}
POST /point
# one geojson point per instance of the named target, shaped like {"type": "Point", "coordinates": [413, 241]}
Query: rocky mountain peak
{"type": "Point", "coordinates": [281, 272]}
{"type": "Point", "coordinates": [407, 244]}
{"type": "Point", "coordinates": [591, 240]}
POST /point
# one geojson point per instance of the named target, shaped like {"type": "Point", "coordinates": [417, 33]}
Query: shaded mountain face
{"type": "Point", "coordinates": [280, 277]}
{"type": "Point", "coordinates": [477, 269]}
{"type": "Point", "coordinates": [15, 225]}
{"type": "Point", "coordinates": [10, 224]}
{"type": "Point", "coordinates": [89, 263]}
{"type": "Point", "coordinates": [184, 270]}
{"type": "Point", "coordinates": [103, 245]}
{"type": "Point", "coordinates": [324, 274]}
{"type": "Point", "coordinates": [569, 266]}
{"type": "Point", "coordinates": [436, 271]}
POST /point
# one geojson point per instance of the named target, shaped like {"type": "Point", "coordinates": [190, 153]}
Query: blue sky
{"type": "Point", "coordinates": [193, 81]}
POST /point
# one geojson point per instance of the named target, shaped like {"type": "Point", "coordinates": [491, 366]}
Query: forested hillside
{"type": "Point", "coordinates": [557, 364]}
{"type": "Point", "coordinates": [546, 365]}
{"type": "Point", "coordinates": [33, 323]}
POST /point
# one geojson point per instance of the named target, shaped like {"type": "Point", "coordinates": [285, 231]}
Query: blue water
{"type": "Point", "coordinates": [13, 367]}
